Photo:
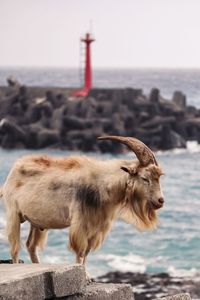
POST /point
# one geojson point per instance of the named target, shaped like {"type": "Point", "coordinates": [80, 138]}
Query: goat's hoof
{"type": "Point", "coordinates": [89, 279]}
{"type": "Point", "coordinates": [9, 261]}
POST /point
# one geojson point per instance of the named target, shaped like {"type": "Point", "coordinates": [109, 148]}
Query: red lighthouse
{"type": "Point", "coordinates": [88, 71]}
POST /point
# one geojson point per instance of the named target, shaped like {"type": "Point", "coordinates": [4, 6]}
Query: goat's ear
{"type": "Point", "coordinates": [130, 170]}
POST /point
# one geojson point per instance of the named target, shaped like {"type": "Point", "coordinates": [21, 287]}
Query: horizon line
{"type": "Point", "coordinates": [100, 67]}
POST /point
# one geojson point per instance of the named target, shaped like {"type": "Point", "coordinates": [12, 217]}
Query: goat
{"type": "Point", "coordinates": [82, 193]}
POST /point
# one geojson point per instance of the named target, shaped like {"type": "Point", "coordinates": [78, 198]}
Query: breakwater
{"type": "Point", "coordinates": [36, 117]}
{"type": "Point", "coordinates": [45, 281]}
{"type": "Point", "coordinates": [148, 286]}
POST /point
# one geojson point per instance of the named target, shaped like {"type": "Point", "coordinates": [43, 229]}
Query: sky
{"type": "Point", "coordinates": [129, 33]}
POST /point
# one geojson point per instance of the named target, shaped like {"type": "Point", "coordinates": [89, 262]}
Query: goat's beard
{"type": "Point", "coordinates": [145, 216]}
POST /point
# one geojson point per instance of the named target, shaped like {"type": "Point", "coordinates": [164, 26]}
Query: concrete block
{"type": "Point", "coordinates": [40, 281]}
{"type": "Point", "coordinates": [19, 281]}
{"type": "Point", "coordinates": [105, 291]}
{"type": "Point", "coordinates": [183, 296]}
{"type": "Point", "coordinates": [29, 288]}
{"type": "Point", "coordinates": [68, 281]}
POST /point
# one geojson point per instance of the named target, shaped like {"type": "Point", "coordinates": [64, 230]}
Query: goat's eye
{"type": "Point", "coordinates": [145, 179]}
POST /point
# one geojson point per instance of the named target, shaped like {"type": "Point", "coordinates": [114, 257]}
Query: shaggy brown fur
{"type": "Point", "coordinates": [43, 161]}
{"type": "Point", "coordinates": [82, 193]}
{"type": "Point", "coordinates": [19, 183]}
{"type": "Point", "coordinates": [63, 163]}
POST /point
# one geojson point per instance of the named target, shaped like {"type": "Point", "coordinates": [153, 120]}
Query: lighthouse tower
{"type": "Point", "coordinates": [87, 40]}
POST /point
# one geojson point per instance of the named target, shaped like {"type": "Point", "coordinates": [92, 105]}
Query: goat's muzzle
{"type": "Point", "coordinates": [158, 204]}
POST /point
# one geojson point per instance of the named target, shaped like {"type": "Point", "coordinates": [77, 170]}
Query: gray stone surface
{"type": "Point", "coordinates": [70, 281]}
{"type": "Point", "coordinates": [40, 281]}
{"type": "Point", "coordinates": [31, 287]}
{"type": "Point", "coordinates": [105, 291]}
{"type": "Point", "coordinates": [183, 296]}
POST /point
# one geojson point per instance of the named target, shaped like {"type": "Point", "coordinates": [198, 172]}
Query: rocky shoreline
{"type": "Point", "coordinates": [35, 118]}
{"type": "Point", "coordinates": [148, 286]}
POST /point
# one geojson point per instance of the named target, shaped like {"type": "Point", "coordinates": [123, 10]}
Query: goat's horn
{"type": "Point", "coordinates": [143, 153]}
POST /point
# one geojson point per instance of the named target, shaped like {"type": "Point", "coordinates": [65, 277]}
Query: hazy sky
{"type": "Point", "coordinates": [129, 33]}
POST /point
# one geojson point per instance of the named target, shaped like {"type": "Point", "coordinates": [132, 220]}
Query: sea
{"type": "Point", "coordinates": [173, 247]}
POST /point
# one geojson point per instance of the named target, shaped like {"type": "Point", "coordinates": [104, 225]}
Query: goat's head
{"type": "Point", "coordinates": [143, 194]}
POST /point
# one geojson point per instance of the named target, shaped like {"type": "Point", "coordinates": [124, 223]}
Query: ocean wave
{"type": "Point", "coordinates": [127, 263]}
{"type": "Point", "coordinates": [175, 272]}
{"type": "Point", "coordinates": [52, 259]}
{"type": "Point", "coordinates": [191, 147]}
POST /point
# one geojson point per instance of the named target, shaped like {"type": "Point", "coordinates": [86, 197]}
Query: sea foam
{"type": "Point", "coordinates": [126, 263]}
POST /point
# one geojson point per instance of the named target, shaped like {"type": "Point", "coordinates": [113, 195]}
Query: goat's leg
{"type": "Point", "coordinates": [13, 232]}
{"type": "Point", "coordinates": [82, 260]}
{"type": "Point", "coordinates": [31, 245]}
{"type": "Point", "coordinates": [79, 260]}
{"type": "Point", "coordinates": [34, 239]}
{"type": "Point", "coordinates": [81, 245]}
{"type": "Point", "coordinates": [88, 276]}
